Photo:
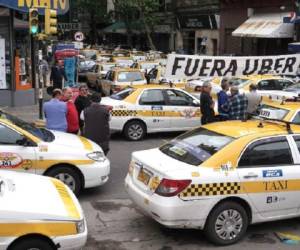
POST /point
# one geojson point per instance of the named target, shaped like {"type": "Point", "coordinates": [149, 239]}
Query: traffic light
{"type": "Point", "coordinates": [33, 21]}
{"type": "Point", "coordinates": [50, 22]}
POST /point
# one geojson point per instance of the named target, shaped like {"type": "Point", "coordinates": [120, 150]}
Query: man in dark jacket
{"type": "Point", "coordinates": [206, 104]}
{"type": "Point", "coordinates": [57, 76]}
{"type": "Point", "coordinates": [96, 123]}
{"type": "Point", "coordinates": [82, 101]}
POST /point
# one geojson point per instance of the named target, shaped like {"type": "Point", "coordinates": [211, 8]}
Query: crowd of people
{"type": "Point", "coordinates": [86, 116]}
{"type": "Point", "coordinates": [236, 106]}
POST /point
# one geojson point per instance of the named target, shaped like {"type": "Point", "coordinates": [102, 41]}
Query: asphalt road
{"type": "Point", "coordinates": [114, 222]}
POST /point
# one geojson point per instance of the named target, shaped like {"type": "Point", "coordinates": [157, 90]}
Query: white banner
{"type": "Point", "coordinates": [193, 67]}
{"type": "Point", "coordinates": [3, 83]}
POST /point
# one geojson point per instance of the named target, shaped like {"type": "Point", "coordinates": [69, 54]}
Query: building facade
{"type": "Point", "coordinates": [255, 27]}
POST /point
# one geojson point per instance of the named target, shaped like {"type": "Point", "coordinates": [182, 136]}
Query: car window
{"type": "Point", "coordinates": [121, 95]}
{"type": "Point", "coordinates": [281, 84]}
{"type": "Point", "coordinates": [266, 85]}
{"type": "Point", "coordinates": [271, 151]}
{"type": "Point", "coordinates": [130, 76]}
{"type": "Point", "coordinates": [196, 146]}
{"type": "Point", "coordinates": [96, 68]}
{"type": "Point", "coordinates": [297, 140]}
{"type": "Point", "coordinates": [152, 97]}
{"type": "Point", "coordinates": [9, 136]}
{"type": "Point", "coordinates": [297, 118]}
{"type": "Point", "coordinates": [178, 98]}
{"type": "Point", "coordinates": [153, 73]}
{"type": "Point", "coordinates": [109, 76]}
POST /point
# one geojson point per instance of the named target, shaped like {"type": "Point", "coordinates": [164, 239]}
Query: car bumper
{"type": "Point", "coordinates": [71, 242]}
{"type": "Point", "coordinates": [169, 211]}
{"type": "Point", "coordinates": [96, 174]}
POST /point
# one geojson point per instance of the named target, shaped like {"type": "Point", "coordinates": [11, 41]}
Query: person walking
{"type": "Point", "coordinates": [72, 114]}
{"type": "Point", "coordinates": [254, 100]}
{"type": "Point", "coordinates": [223, 99]}
{"type": "Point", "coordinates": [55, 112]}
{"type": "Point", "coordinates": [82, 101]}
{"type": "Point", "coordinates": [96, 123]}
{"type": "Point", "coordinates": [206, 104]}
{"type": "Point", "coordinates": [57, 76]}
{"type": "Point", "coordinates": [237, 105]}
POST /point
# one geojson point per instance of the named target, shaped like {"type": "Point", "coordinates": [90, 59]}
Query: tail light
{"type": "Point", "coordinates": [168, 188]}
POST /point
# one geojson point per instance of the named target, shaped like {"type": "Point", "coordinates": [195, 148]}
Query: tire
{"type": "Point", "coordinates": [33, 243]}
{"type": "Point", "coordinates": [67, 175]}
{"type": "Point", "coordinates": [237, 214]}
{"type": "Point", "coordinates": [135, 130]}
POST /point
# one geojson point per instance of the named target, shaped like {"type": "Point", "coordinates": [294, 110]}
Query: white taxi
{"type": "Point", "coordinates": [76, 161]}
{"type": "Point", "coordinates": [152, 108]}
{"type": "Point", "coordinates": [220, 177]}
{"type": "Point", "coordinates": [39, 213]}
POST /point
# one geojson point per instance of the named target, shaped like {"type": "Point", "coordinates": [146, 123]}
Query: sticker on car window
{"type": "Point", "coordinates": [272, 173]}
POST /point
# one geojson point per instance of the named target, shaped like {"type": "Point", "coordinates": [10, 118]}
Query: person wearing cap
{"type": "Point", "coordinates": [223, 99]}
{"type": "Point", "coordinates": [206, 104]}
{"type": "Point", "coordinates": [72, 114]}
{"type": "Point", "coordinates": [254, 100]}
{"type": "Point", "coordinates": [82, 101]}
{"type": "Point", "coordinates": [55, 112]}
{"type": "Point", "coordinates": [237, 105]}
{"type": "Point", "coordinates": [96, 122]}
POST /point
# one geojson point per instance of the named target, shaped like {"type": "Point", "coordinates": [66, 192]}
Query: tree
{"type": "Point", "coordinates": [143, 10]}
{"type": "Point", "coordinates": [95, 11]}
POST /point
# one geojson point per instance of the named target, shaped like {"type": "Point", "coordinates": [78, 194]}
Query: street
{"type": "Point", "coordinates": [115, 223]}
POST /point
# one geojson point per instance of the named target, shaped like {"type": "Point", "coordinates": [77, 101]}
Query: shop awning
{"type": "Point", "coordinates": [269, 25]}
{"type": "Point", "coordinates": [120, 27]}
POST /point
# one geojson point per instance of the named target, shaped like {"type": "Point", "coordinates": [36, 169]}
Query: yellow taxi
{"type": "Point", "coordinates": [118, 78]}
{"type": "Point", "coordinates": [220, 178]}
{"type": "Point", "coordinates": [122, 58]}
{"type": "Point", "coordinates": [153, 108]}
{"type": "Point", "coordinates": [39, 213]}
{"type": "Point", "coordinates": [76, 161]}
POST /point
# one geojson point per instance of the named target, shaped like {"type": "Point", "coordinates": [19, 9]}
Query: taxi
{"type": "Point", "coordinates": [119, 78]}
{"type": "Point", "coordinates": [220, 178]}
{"type": "Point", "coordinates": [140, 110]}
{"type": "Point", "coordinates": [122, 58]}
{"type": "Point", "coordinates": [39, 213]}
{"type": "Point", "coordinates": [98, 72]}
{"type": "Point", "coordinates": [76, 161]}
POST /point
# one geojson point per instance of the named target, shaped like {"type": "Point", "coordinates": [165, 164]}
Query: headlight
{"type": "Point", "coordinates": [80, 226]}
{"type": "Point", "coordinates": [97, 156]}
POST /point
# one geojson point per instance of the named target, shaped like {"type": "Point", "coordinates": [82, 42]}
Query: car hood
{"type": "Point", "coordinates": [33, 197]}
{"type": "Point", "coordinates": [74, 141]}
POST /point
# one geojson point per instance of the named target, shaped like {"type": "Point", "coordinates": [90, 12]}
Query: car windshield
{"type": "Point", "coordinates": [41, 133]}
{"type": "Point", "coordinates": [196, 146]}
{"type": "Point", "coordinates": [121, 95]}
{"type": "Point", "coordinates": [239, 82]}
{"type": "Point", "coordinates": [133, 76]}
{"type": "Point", "coordinates": [267, 111]}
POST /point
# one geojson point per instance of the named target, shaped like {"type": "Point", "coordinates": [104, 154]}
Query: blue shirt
{"type": "Point", "coordinates": [55, 113]}
{"type": "Point", "coordinates": [222, 99]}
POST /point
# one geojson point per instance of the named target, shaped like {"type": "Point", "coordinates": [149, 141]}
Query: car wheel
{"type": "Point", "coordinates": [135, 130]}
{"type": "Point", "coordinates": [68, 176]}
{"type": "Point", "coordinates": [226, 224]}
{"type": "Point", "coordinates": [29, 244]}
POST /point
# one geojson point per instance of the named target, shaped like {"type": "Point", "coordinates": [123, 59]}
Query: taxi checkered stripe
{"type": "Point", "coordinates": [209, 189]}
{"type": "Point", "coordinates": [124, 113]}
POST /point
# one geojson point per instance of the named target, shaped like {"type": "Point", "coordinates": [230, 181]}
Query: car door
{"type": "Point", "coordinates": [153, 109]}
{"type": "Point", "coordinates": [107, 82]}
{"type": "Point", "coordinates": [268, 175]}
{"type": "Point", "coordinates": [17, 153]}
{"type": "Point", "coordinates": [184, 110]}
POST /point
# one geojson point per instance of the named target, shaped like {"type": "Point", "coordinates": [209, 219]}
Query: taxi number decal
{"type": "Point", "coordinates": [265, 113]}
{"type": "Point", "coordinates": [10, 160]}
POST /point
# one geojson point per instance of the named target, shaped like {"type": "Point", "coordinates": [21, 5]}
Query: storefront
{"type": "Point", "coordinates": [16, 74]}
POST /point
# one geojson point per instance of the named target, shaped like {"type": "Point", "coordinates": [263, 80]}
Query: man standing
{"type": "Point", "coordinates": [55, 112]}
{"type": "Point", "coordinates": [254, 99]}
{"type": "Point", "coordinates": [223, 99]}
{"type": "Point", "coordinates": [206, 104]}
{"type": "Point", "coordinates": [57, 76]}
{"type": "Point", "coordinates": [96, 118]}
{"type": "Point", "coordinates": [72, 114]}
{"type": "Point", "coordinates": [237, 105]}
{"type": "Point", "coordinates": [82, 101]}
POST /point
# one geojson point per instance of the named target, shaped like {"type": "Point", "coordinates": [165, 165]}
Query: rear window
{"type": "Point", "coordinates": [131, 76]}
{"type": "Point", "coordinates": [196, 146]}
{"type": "Point", "coordinates": [267, 111]}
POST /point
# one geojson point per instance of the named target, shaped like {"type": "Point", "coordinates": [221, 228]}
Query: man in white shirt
{"type": "Point", "coordinates": [254, 100]}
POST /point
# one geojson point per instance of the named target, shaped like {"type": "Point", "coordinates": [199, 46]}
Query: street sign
{"type": "Point", "coordinates": [79, 36]}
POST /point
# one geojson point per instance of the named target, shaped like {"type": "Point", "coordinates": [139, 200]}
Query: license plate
{"type": "Point", "coordinates": [144, 176]}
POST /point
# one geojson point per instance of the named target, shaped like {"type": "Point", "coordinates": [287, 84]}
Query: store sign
{"type": "Point", "coordinates": [68, 26]}
{"type": "Point", "coordinates": [198, 22]}
{"type": "Point", "coordinates": [192, 67]}
{"type": "Point", "coordinates": [62, 6]}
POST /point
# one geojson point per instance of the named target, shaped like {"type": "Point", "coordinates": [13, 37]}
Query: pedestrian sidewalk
{"type": "Point", "coordinates": [26, 113]}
